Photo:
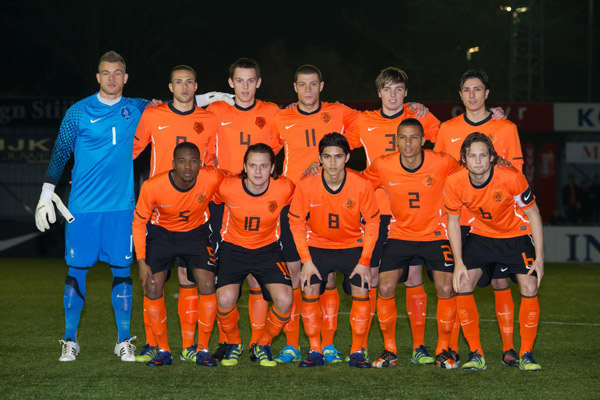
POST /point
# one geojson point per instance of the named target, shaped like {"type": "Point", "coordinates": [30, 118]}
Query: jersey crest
{"type": "Point", "coordinates": [428, 181]}
{"type": "Point", "coordinates": [198, 127]}
{"type": "Point", "coordinates": [201, 198]}
{"type": "Point", "coordinates": [325, 117]}
{"type": "Point", "coordinates": [260, 122]}
{"type": "Point", "coordinates": [498, 196]}
{"type": "Point", "coordinates": [272, 206]}
{"type": "Point", "coordinates": [125, 113]}
{"type": "Point", "coordinates": [349, 203]}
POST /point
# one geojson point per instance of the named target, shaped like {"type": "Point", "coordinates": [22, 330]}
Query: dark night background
{"type": "Point", "coordinates": [51, 48]}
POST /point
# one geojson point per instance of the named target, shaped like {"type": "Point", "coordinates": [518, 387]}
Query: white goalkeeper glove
{"type": "Point", "coordinates": [44, 212]}
{"type": "Point", "coordinates": [202, 100]}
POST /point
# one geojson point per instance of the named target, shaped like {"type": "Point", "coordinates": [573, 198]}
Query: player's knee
{"type": "Point", "coordinates": [226, 298]}
{"type": "Point", "coordinates": [500, 284]}
{"type": "Point", "coordinates": [386, 287]}
{"type": "Point", "coordinates": [283, 301]}
{"type": "Point", "coordinates": [154, 289]}
{"type": "Point", "coordinates": [206, 286]}
{"type": "Point", "coordinates": [415, 278]}
{"type": "Point", "coordinates": [529, 288]}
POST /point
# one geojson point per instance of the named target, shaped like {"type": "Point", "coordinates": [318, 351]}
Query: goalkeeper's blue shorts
{"type": "Point", "coordinates": [101, 236]}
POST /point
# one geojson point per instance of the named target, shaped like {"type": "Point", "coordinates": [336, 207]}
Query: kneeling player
{"type": "Point", "coordinates": [507, 231]}
{"type": "Point", "coordinates": [253, 202]}
{"type": "Point", "coordinates": [179, 228]}
{"type": "Point", "coordinates": [413, 180]}
{"type": "Point", "coordinates": [325, 219]}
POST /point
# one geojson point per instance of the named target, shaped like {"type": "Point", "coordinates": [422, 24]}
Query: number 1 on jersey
{"type": "Point", "coordinates": [114, 131]}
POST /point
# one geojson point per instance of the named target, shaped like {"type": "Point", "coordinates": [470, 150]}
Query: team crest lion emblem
{"type": "Point", "coordinates": [428, 181]}
{"type": "Point", "coordinates": [125, 113]}
{"type": "Point", "coordinates": [198, 127]}
{"type": "Point", "coordinates": [325, 117]}
{"type": "Point", "coordinates": [498, 196]}
{"type": "Point", "coordinates": [271, 206]}
{"type": "Point", "coordinates": [349, 203]}
{"type": "Point", "coordinates": [260, 122]}
{"type": "Point", "coordinates": [200, 198]}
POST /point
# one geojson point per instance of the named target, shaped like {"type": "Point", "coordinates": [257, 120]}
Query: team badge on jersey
{"type": "Point", "coordinates": [349, 203]}
{"type": "Point", "coordinates": [325, 117]}
{"type": "Point", "coordinates": [125, 113]}
{"type": "Point", "coordinates": [201, 198]}
{"type": "Point", "coordinates": [498, 196]}
{"type": "Point", "coordinates": [428, 181]}
{"type": "Point", "coordinates": [260, 122]}
{"type": "Point", "coordinates": [272, 206]}
{"type": "Point", "coordinates": [198, 127]}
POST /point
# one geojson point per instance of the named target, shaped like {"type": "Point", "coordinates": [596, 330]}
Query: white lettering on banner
{"type": "Point", "coordinates": [583, 153]}
{"type": "Point", "coordinates": [572, 244]}
{"type": "Point", "coordinates": [582, 117]}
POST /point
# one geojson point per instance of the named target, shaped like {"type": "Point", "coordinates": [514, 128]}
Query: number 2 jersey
{"type": "Point", "coordinates": [252, 220]}
{"type": "Point", "coordinates": [496, 205]}
{"type": "Point", "coordinates": [165, 127]}
{"type": "Point", "coordinates": [177, 210]}
{"type": "Point", "coordinates": [101, 138]}
{"type": "Point", "coordinates": [416, 195]}
{"type": "Point", "coordinates": [331, 219]}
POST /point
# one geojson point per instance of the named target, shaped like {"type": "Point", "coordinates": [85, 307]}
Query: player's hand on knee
{"type": "Point", "coordinates": [460, 270]}
{"type": "Point", "coordinates": [364, 272]}
{"type": "Point", "coordinates": [308, 270]}
{"type": "Point", "coordinates": [538, 267]}
{"type": "Point", "coordinates": [145, 273]}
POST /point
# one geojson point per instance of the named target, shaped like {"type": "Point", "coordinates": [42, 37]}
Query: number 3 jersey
{"type": "Point", "coordinates": [416, 195]}
{"type": "Point", "coordinates": [164, 204]}
{"type": "Point", "coordinates": [331, 219]}
{"type": "Point", "coordinates": [101, 138]}
{"type": "Point", "coordinates": [252, 220]}
{"type": "Point", "coordinates": [496, 205]}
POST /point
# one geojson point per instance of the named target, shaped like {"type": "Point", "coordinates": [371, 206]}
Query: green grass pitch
{"type": "Point", "coordinates": [567, 347]}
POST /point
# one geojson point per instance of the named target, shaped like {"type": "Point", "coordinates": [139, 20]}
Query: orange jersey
{"type": "Point", "coordinates": [250, 220]}
{"type": "Point", "coordinates": [165, 127]}
{"type": "Point", "coordinates": [239, 128]}
{"type": "Point", "coordinates": [503, 133]}
{"type": "Point", "coordinates": [334, 217]}
{"type": "Point", "coordinates": [416, 196]}
{"type": "Point", "coordinates": [496, 205]}
{"type": "Point", "coordinates": [177, 210]}
{"type": "Point", "coordinates": [300, 133]}
{"type": "Point", "coordinates": [377, 132]}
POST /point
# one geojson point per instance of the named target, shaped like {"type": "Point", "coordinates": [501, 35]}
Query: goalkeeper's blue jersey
{"type": "Point", "coordinates": [101, 138]}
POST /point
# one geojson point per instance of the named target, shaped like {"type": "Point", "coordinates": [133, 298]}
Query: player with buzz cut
{"type": "Point", "coordinates": [164, 127]}
{"type": "Point", "coordinates": [507, 232]}
{"type": "Point", "coordinates": [171, 221]}
{"type": "Point", "coordinates": [98, 131]}
{"type": "Point", "coordinates": [300, 129]}
{"type": "Point", "coordinates": [474, 90]}
{"type": "Point", "coordinates": [326, 219]}
{"type": "Point", "coordinates": [250, 245]}
{"type": "Point", "coordinates": [413, 180]}
{"type": "Point", "coordinates": [242, 124]}
{"type": "Point", "coordinates": [376, 132]}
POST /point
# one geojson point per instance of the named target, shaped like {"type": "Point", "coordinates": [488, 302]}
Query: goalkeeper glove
{"type": "Point", "coordinates": [202, 100]}
{"type": "Point", "coordinates": [44, 212]}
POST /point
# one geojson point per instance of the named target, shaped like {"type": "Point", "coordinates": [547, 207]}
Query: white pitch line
{"type": "Point", "coordinates": [593, 324]}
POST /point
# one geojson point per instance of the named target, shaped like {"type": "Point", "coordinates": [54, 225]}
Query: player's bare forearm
{"type": "Point", "coordinates": [313, 169]}
{"type": "Point", "coordinates": [455, 237]}
{"type": "Point", "coordinates": [145, 272]}
{"type": "Point", "coordinates": [537, 232]}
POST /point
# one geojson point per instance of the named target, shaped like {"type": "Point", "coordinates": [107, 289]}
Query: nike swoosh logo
{"type": "Point", "coordinates": [530, 326]}
{"type": "Point", "coordinates": [448, 264]}
{"type": "Point", "coordinates": [525, 198]}
{"type": "Point", "coordinates": [287, 277]}
{"type": "Point", "coordinates": [234, 206]}
{"type": "Point", "coordinates": [395, 183]}
{"type": "Point", "coordinates": [258, 326]}
{"type": "Point", "coordinates": [160, 128]}
{"type": "Point", "coordinates": [128, 257]}
{"type": "Point", "coordinates": [121, 296]}
{"type": "Point", "coordinates": [446, 322]}
{"type": "Point", "coordinates": [93, 121]}
{"type": "Point", "coordinates": [454, 140]}
{"type": "Point", "coordinates": [466, 201]}
{"type": "Point", "coordinates": [315, 205]}
{"type": "Point", "coordinates": [505, 313]}
{"type": "Point", "coordinates": [191, 311]}
{"type": "Point", "coordinates": [370, 129]}
{"type": "Point", "coordinates": [503, 269]}
{"type": "Point", "coordinates": [226, 123]}
{"type": "Point", "coordinates": [163, 206]}
{"type": "Point", "coordinates": [289, 126]}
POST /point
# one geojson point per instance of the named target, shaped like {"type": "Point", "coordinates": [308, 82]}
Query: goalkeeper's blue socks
{"type": "Point", "coordinates": [73, 301]}
{"type": "Point", "coordinates": [122, 300]}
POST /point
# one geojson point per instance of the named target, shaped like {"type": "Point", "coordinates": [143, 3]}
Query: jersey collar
{"type": "Point", "coordinates": [338, 189]}
{"type": "Point", "coordinates": [309, 113]}
{"type": "Point", "coordinates": [483, 121]}
{"type": "Point", "coordinates": [177, 187]}
{"type": "Point", "coordinates": [252, 194]}
{"type": "Point", "coordinates": [484, 184]}
{"type": "Point", "coordinates": [411, 171]}
{"type": "Point", "coordinates": [399, 113]}
{"type": "Point", "coordinates": [246, 108]}
{"type": "Point", "coordinates": [176, 111]}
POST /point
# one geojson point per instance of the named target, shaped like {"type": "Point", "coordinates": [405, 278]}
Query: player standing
{"type": "Point", "coordinates": [413, 180]}
{"type": "Point", "coordinates": [376, 132]}
{"type": "Point", "coordinates": [246, 122]}
{"type": "Point", "coordinates": [325, 219]}
{"type": "Point", "coordinates": [99, 131]}
{"type": "Point", "coordinates": [176, 205]}
{"type": "Point", "coordinates": [300, 129]}
{"type": "Point", "coordinates": [250, 245]}
{"type": "Point", "coordinates": [474, 90]}
{"type": "Point", "coordinates": [165, 126]}
{"type": "Point", "coordinates": [507, 232]}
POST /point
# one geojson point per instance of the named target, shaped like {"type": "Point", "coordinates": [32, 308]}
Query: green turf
{"type": "Point", "coordinates": [568, 347]}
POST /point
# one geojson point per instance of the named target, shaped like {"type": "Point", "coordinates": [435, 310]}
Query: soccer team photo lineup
{"type": "Point", "coordinates": [448, 200]}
